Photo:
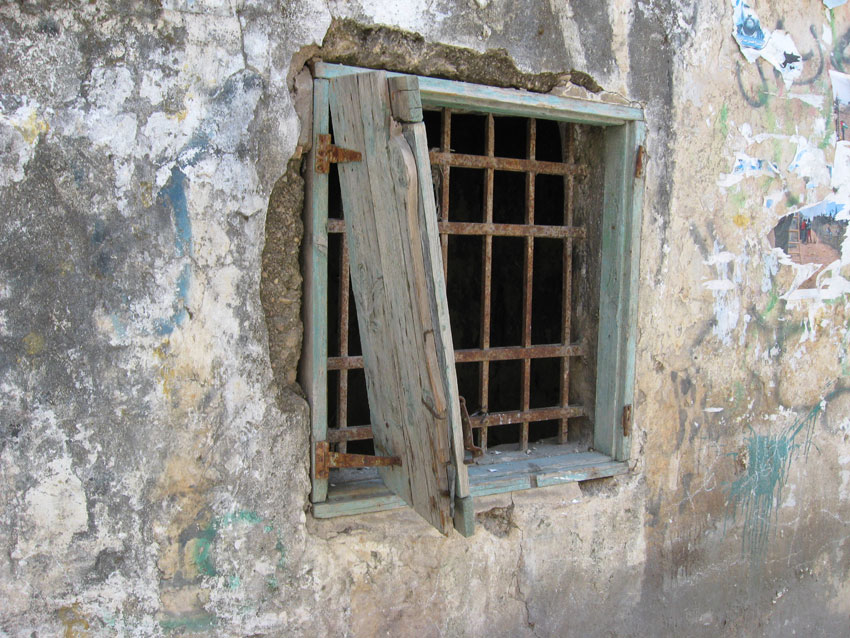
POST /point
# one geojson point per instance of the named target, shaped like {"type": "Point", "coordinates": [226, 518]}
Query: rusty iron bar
{"type": "Point", "coordinates": [342, 387]}
{"type": "Point", "coordinates": [487, 273]}
{"type": "Point", "coordinates": [567, 254]}
{"type": "Point", "coordinates": [445, 145]}
{"type": "Point", "coordinates": [474, 355]}
{"type": "Point", "coordinates": [496, 230]}
{"type": "Point", "coordinates": [325, 460]}
{"type": "Point", "coordinates": [512, 230]}
{"type": "Point", "coordinates": [513, 164]}
{"type": "Point", "coordinates": [466, 426]}
{"type": "Point", "coordinates": [477, 421]}
{"type": "Point", "coordinates": [351, 433]}
{"type": "Point", "coordinates": [528, 280]}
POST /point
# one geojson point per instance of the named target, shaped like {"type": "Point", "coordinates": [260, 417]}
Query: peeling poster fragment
{"type": "Point", "coordinates": [746, 166]}
{"type": "Point", "coordinates": [841, 103]}
{"type": "Point", "coordinates": [776, 47]}
{"type": "Point", "coordinates": [831, 4]}
{"type": "Point", "coordinates": [841, 166]}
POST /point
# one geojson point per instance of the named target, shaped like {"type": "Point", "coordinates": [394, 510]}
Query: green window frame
{"type": "Point", "coordinates": [623, 130]}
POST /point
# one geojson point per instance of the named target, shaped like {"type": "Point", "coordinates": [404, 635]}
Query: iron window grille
{"type": "Point", "coordinates": [551, 146]}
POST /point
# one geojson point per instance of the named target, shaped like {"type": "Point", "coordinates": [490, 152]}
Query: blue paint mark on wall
{"type": "Point", "coordinates": [175, 192]}
{"type": "Point", "coordinates": [237, 97]}
{"type": "Point", "coordinates": [757, 493]}
{"type": "Point", "coordinates": [178, 316]}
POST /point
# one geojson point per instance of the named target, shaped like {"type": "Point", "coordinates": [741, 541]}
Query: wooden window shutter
{"type": "Point", "coordinates": [400, 294]}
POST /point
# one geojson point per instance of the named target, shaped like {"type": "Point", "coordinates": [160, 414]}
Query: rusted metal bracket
{"type": "Point", "coordinates": [627, 420]}
{"type": "Point", "coordinates": [325, 460]}
{"type": "Point", "coordinates": [327, 153]}
{"type": "Point", "coordinates": [467, 432]}
{"type": "Point", "coordinates": [639, 161]}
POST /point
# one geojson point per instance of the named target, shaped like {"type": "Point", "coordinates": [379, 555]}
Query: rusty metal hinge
{"type": "Point", "coordinates": [327, 153]}
{"type": "Point", "coordinates": [466, 425]}
{"type": "Point", "coordinates": [325, 460]}
{"type": "Point", "coordinates": [639, 161]}
{"type": "Point", "coordinates": [627, 420]}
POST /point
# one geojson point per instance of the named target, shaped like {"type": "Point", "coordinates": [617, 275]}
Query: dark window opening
{"type": "Point", "coordinates": [522, 285]}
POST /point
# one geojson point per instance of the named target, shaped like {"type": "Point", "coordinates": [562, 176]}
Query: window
{"type": "Point", "coordinates": [536, 199]}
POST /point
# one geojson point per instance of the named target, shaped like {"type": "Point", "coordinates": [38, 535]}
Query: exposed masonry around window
{"type": "Point", "coordinates": [538, 202]}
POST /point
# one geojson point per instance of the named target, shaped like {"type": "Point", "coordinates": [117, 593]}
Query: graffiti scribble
{"type": "Point", "coordinates": [758, 491]}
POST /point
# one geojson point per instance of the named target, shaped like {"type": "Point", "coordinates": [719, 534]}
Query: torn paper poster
{"type": "Point", "coordinates": [782, 53]}
{"type": "Point", "coordinates": [831, 4]}
{"type": "Point", "coordinates": [841, 166]}
{"type": "Point", "coordinates": [840, 86]}
{"type": "Point", "coordinates": [831, 207]}
{"type": "Point", "coordinates": [812, 99]}
{"type": "Point", "coordinates": [772, 198]}
{"type": "Point", "coordinates": [841, 103]}
{"type": "Point", "coordinates": [776, 47]}
{"type": "Point", "coordinates": [748, 32]}
{"type": "Point", "coordinates": [746, 166]}
{"type": "Point", "coordinates": [719, 285]}
{"type": "Point", "coordinates": [810, 164]}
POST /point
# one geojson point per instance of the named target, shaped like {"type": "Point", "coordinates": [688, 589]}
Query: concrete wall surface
{"type": "Point", "coordinates": [154, 443]}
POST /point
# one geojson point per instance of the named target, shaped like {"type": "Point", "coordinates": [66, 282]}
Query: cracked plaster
{"type": "Point", "coordinates": [153, 466]}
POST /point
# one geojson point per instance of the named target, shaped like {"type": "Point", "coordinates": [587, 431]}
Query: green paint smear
{"type": "Point", "coordinates": [234, 582]}
{"type": "Point", "coordinates": [792, 199]}
{"type": "Point", "coordinates": [777, 152]}
{"type": "Point", "coordinates": [771, 304]}
{"type": "Point", "coordinates": [769, 115]}
{"type": "Point", "coordinates": [754, 494]}
{"type": "Point", "coordinates": [202, 553]}
{"type": "Point", "coordinates": [281, 550]}
{"type": "Point", "coordinates": [724, 120]}
{"type": "Point", "coordinates": [190, 623]}
{"type": "Point", "coordinates": [739, 392]}
{"type": "Point", "coordinates": [738, 198]}
{"type": "Point", "coordinates": [243, 516]}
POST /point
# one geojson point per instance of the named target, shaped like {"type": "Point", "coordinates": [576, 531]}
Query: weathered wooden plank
{"type": "Point", "coordinates": [372, 495]}
{"type": "Point", "coordinates": [436, 92]}
{"type": "Point", "coordinates": [426, 219]}
{"type": "Point", "coordinates": [407, 398]}
{"type": "Point", "coordinates": [404, 98]}
{"type": "Point", "coordinates": [632, 230]}
{"type": "Point", "coordinates": [315, 353]}
{"type": "Point", "coordinates": [618, 289]}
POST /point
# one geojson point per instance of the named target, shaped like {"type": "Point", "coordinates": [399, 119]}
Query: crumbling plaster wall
{"type": "Point", "coordinates": [153, 454]}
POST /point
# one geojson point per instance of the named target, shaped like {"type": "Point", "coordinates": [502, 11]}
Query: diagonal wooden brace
{"type": "Point", "coordinates": [325, 460]}
{"type": "Point", "coordinates": [327, 153]}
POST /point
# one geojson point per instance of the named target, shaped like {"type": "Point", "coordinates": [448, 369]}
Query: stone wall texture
{"type": "Point", "coordinates": [154, 464]}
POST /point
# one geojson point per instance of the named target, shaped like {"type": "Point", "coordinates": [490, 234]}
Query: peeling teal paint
{"type": "Point", "coordinates": [199, 623]}
{"type": "Point", "coordinates": [202, 551]}
{"type": "Point", "coordinates": [281, 550]}
{"type": "Point", "coordinates": [203, 546]}
{"type": "Point", "coordinates": [758, 491]}
{"type": "Point", "coordinates": [242, 516]}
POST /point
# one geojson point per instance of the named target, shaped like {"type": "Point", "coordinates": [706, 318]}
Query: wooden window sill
{"type": "Point", "coordinates": [513, 472]}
